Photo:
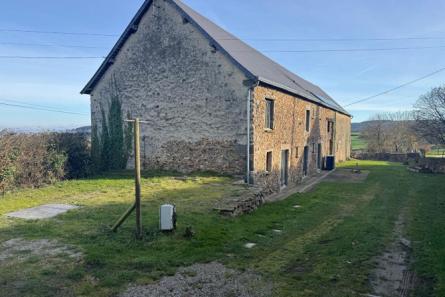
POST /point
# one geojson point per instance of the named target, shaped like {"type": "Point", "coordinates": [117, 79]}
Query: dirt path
{"type": "Point", "coordinates": [392, 277]}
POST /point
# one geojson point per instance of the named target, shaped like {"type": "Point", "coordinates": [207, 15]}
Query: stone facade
{"type": "Point", "coordinates": [193, 96]}
{"type": "Point", "coordinates": [195, 100]}
{"type": "Point", "coordinates": [289, 133]}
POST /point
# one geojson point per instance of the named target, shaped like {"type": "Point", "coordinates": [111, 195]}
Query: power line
{"type": "Point", "coordinates": [337, 39]}
{"type": "Point", "coordinates": [51, 57]}
{"type": "Point", "coordinates": [42, 109]}
{"type": "Point", "coordinates": [265, 51]}
{"type": "Point", "coordinates": [25, 103]}
{"type": "Point", "coordinates": [49, 45]}
{"type": "Point", "coordinates": [353, 49]}
{"type": "Point", "coordinates": [57, 32]}
{"type": "Point", "coordinates": [398, 87]}
{"type": "Point", "coordinates": [253, 39]}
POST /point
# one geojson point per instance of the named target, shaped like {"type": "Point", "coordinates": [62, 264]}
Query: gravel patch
{"type": "Point", "coordinates": [205, 280]}
{"type": "Point", "coordinates": [343, 175]}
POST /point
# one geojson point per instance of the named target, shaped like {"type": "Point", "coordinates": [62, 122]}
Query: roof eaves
{"type": "Point", "coordinates": [214, 42]}
{"type": "Point", "coordinates": [315, 99]}
{"type": "Point", "coordinates": [131, 28]}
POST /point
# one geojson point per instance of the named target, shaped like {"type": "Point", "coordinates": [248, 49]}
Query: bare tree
{"type": "Point", "coordinates": [402, 137]}
{"type": "Point", "coordinates": [392, 133]}
{"type": "Point", "coordinates": [430, 115]}
{"type": "Point", "coordinates": [375, 133]}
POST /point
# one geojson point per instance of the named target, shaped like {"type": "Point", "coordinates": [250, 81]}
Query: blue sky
{"type": "Point", "coordinates": [346, 76]}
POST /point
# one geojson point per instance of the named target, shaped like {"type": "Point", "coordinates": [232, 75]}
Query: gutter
{"type": "Point", "coordinates": [249, 97]}
{"type": "Point", "coordinates": [249, 122]}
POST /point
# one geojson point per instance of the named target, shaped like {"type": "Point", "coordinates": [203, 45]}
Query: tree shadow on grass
{"type": "Point", "coordinates": [129, 174]}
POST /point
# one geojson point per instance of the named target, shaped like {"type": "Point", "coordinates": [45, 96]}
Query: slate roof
{"type": "Point", "coordinates": [252, 62]}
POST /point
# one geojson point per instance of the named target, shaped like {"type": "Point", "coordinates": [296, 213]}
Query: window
{"type": "Point", "coordinates": [330, 126]}
{"type": "Point", "coordinates": [313, 148]}
{"type": "Point", "coordinates": [297, 153]}
{"type": "Point", "coordinates": [269, 113]}
{"type": "Point", "coordinates": [268, 161]}
{"type": "Point", "coordinates": [308, 120]}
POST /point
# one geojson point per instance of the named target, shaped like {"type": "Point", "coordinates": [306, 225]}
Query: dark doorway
{"type": "Point", "coordinates": [284, 168]}
{"type": "Point", "coordinates": [319, 157]}
{"type": "Point", "coordinates": [305, 160]}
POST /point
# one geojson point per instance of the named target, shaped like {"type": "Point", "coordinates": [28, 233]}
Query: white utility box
{"type": "Point", "coordinates": [167, 217]}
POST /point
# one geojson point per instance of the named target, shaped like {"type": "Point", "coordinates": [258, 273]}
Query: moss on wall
{"type": "Point", "coordinates": [112, 147]}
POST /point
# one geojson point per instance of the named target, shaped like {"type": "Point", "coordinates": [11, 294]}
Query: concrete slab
{"type": "Point", "coordinates": [41, 212]}
{"type": "Point", "coordinates": [348, 175]}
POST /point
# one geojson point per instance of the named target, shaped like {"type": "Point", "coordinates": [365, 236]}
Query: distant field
{"type": "Point", "coordinates": [436, 153]}
{"type": "Point", "coordinates": [358, 143]}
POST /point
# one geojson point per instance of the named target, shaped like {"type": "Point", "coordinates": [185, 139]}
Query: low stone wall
{"type": "Point", "coordinates": [247, 202]}
{"type": "Point", "coordinates": [390, 157]}
{"type": "Point", "coordinates": [428, 165]}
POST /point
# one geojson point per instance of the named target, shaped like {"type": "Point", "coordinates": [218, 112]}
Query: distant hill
{"type": "Point", "coordinates": [83, 130]}
{"type": "Point", "coordinates": [359, 127]}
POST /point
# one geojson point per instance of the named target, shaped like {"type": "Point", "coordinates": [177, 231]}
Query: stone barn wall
{"type": "Point", "coordinates": [289, 133]}
{"type": "Point", "coordinates": [427, 165]}
{"type": "Point", "coordinates": [193, 96]}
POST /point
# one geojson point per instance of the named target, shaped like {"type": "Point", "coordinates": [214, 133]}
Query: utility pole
{"type": "Point", "coordinates": [137, 178]}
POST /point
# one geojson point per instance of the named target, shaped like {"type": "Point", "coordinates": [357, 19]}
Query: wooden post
{"type": "Point", "coordinates": [123, 218]}
{"type": "Point", "coordinates": [137, 175]}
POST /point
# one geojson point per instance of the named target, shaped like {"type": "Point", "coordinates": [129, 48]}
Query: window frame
{"type": "Point", "coordinates": [269, 114]}
{"type": "Point", "coordinates": [308, 120]}
{"type": "Point", "coordinates": [330, 126]}
{"type": "Point", "coordinates": [269, 161]}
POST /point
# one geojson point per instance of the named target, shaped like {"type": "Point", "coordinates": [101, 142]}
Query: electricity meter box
{"type": "Point", "coordinates": [167, 217]}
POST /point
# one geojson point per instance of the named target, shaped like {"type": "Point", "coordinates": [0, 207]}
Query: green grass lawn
{"type": "Point", "coordinates": [326, 247]}
{"type": "Point", "coordinates": [358, 143]}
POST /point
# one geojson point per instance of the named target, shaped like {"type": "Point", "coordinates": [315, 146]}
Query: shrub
{"type": "Point", "coordinates": [33, 160]}
{"type": "Point", "coordinates": [77, 148]}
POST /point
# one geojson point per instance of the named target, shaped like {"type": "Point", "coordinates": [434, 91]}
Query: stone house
{"type": "Point", "coordinates": [214, 103]}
